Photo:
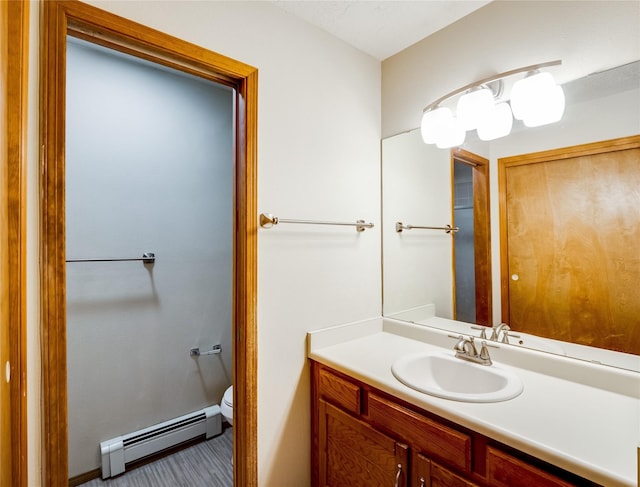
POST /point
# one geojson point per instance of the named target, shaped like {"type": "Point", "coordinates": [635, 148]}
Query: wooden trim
{"type": "Point", "coordinates": [15, 19]}
{"type": "Point", "coordinates": [54, 400]}
{"type": "Point", "coordinates": [74, 18]}
{"type": "Point", "coordinates": [245, 401]}
{"type": "Point", "coordinates": [84, 478]}
{"type": "Point", "coordinates": [6, 401]}
{"type": "Point", "coordinates": [611, 145]}
{"type": "Point", "coordinates": [563, 153]}
{"type": "Point", "coordinates": [316, 415]}
{"type": "Point", "coordinates": [454, 282]}
{"type": "Point", "coordinates": [481, 230]}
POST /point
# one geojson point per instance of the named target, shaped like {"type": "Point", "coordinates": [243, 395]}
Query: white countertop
{"type": "Point", "coordinates": [579, 416]}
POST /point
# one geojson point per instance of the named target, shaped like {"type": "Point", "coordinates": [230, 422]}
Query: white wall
{"type": "Point", "coordinates": [149, 167]}
{"type": "Point", "coordinates": [34, 361]}
{"type": "Point", "coordinates": [588, 36]}
{"type": "Point", "coordinates": [318, 157]}
{"type": "Point", "coordinates": [417, 263]}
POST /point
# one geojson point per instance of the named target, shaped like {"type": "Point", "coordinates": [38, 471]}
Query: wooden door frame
{"type": "Point", "coordinates": [534, 158]}
{"type": "Point", "coordinates": [481, 233]}
{"type": "Point", "coordinates": [14, 85]}
{"type": "Point", "coordinates": [62, 18]}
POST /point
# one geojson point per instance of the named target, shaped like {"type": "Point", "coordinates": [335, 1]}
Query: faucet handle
{"type": "Point", "coordinates": [483, 331]}
{"type": "Point", "coordinates": [506, 335]}
{"type": "Point", "coordinates": [484, 354]}
{"type": "Point", "coordinates": [459, 346]}
{"type": "Point", "coordinates": [494, 334]}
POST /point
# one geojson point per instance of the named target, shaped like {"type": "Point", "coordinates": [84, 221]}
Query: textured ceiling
{"type": "Point", "coordinates": [381, 28]}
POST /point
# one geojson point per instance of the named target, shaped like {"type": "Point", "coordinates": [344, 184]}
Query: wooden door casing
{"type": "Point", "coordinates": [481, 232]}
{"type": "Point", "coordinates": [570, 227]}
{"type": "Point", "coordinates": [14, 74]}
{"type": "Point", "coordinates": [59, 19]}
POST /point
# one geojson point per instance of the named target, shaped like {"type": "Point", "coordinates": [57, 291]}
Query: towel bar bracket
{"type": "Point", "coordinates": [215, 350]}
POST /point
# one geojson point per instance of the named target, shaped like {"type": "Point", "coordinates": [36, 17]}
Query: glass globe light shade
{"type": "Point", "coordinates": [450, 135]}
{"type": "Point", "coordinates": [473, 107]}
{"type": "Point", "coordinates": [548, 110]}
{"type": "Point", "coordinates": [497, 124]}
{"type": "Point", "coordinates": [432, 123]}
{"type": "Point", "coordinates": [527, 93]}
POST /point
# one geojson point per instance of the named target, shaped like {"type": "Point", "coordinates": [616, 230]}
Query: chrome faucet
{"type": "Point", "coordinates": [466, 350]}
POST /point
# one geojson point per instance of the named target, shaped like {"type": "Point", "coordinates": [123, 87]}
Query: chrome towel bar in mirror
{"type": "Point", "coordinates": [447, 228]}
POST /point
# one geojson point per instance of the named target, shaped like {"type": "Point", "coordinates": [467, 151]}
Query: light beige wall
{"type": "Point", "coordinates": [416, 263]}
{"type": "Point", "coordinates": [34, 363]}
{"type": "Point", "coordinates": [505, 35]}
{"type": "Point", "coordinates": [318, 157]}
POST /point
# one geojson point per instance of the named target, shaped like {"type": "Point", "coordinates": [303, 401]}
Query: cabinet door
{"type": "Point", "coordinates": [441, 477]}
{"type": "Point", "coordinates": [429, 474]}
{"type": "Point", "coordinates": [353, 454]}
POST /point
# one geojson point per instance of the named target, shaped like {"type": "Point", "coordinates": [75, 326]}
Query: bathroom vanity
{"type": "Point", "coordinates": [573, 424]}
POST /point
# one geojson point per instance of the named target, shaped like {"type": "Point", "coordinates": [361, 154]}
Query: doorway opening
{"type": "Point", "coordinates": [472, 243]}
{"type": "Point", "coordinates": [148, 170]}
{"type": "Point", "coordinates": [62, 19]}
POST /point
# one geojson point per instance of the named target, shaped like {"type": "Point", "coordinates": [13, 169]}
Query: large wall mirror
{"type": "Point", "coordinates": [420, 274]}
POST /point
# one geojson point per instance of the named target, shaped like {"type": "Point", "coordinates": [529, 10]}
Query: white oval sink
{"type": "Point", "coordinates": [443, 375]}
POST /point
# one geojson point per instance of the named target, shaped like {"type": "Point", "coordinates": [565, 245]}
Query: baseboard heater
{"type": "Point", "coordinates": [118, 452]}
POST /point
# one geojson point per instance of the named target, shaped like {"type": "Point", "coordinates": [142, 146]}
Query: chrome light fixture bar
{"type": "Point", "coordinates": [536, 100]}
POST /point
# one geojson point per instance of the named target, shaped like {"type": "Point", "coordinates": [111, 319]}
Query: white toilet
{"type": "Point", "coordinates": [226, 405]}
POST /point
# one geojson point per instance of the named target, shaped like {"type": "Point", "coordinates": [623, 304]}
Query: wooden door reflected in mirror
{"type": "Point", "coordinates": [571, 266]}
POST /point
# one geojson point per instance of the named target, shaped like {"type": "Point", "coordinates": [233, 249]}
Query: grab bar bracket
{"type": "Point", "coordinates": [215, 350]}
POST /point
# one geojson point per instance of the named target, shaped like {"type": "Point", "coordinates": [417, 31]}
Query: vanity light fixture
{"type": "Point", "coordinates": [535, 99]}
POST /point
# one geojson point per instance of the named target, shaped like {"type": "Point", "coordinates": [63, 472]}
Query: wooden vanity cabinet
{"type": "Point", "coordinates": [364, 437]}
{"type": "Point", "coordinates": [355, 454]}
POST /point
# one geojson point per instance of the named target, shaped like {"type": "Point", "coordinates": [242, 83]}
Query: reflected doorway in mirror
{"type": "Point", "coordinates": [472, 244]}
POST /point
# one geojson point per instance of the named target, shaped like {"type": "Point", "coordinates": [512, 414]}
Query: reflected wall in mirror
{"type": "Point", "coordinates": [417, 184]}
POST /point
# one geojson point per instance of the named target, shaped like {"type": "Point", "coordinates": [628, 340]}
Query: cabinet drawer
{"type": "Point", "coordinates": [508, 471]}
{"type": "Point", "coordinates": [339, 391]}
{"type": "Point", "coordinates": [449, 446]}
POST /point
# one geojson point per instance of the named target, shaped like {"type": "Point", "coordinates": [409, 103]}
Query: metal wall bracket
{"type": "Point", "coordinates": [216, 349]}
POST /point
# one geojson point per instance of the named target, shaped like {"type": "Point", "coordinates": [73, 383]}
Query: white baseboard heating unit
{"type": "Point", "coordinates": [119, 451]}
